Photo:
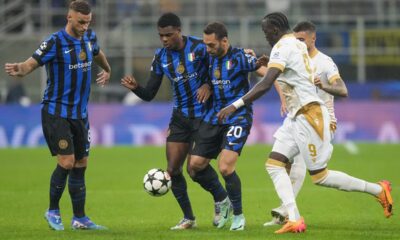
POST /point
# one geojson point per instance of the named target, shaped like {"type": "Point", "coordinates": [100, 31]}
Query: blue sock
{"type": "Point", "coordinates": [234, 189]}
{"type": "Point", "coordinates": [179, 188]}
{"type": "Point", "coordinates": [57, 185]}
{"type": "Point", "coordinates": [208, 180]}
{"type": "Point", "coordinates": [77, 190]}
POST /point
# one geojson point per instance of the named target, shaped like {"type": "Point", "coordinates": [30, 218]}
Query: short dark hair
{"type": "Point", "coordinates": [279, 20]}
{"type": "Point", "coordinates": [218, 28]}
{"type": "Point", "coordinates": [80, 6]}
{"type": "Point", "coordinates": [305, 26]}
{"type": "Point", "coordinates": [169, 19]}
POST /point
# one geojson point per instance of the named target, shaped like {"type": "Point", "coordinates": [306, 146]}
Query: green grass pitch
{"type": "Point", "coordinates": [116, 199]}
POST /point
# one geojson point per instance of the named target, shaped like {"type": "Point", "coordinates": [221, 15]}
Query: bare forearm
{"type": "Point", "coordinates": [337, 89]}
{"type": "Point", "coordinates": [101, 60]}
{"type": "Point", "coordinates": [262, 87]}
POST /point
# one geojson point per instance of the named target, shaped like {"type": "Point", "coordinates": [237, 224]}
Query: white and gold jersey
{"type": "Point", "coordinates": [297, 78]}
{"type": "Point", "coordinates": [328, 72]}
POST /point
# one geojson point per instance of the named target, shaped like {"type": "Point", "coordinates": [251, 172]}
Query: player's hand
{"type": "Point", "coordinates": [318, 83]}
{"type": "Point", "coordinates": [129, 82]}
{"type": "Point", "coordinates": [203, 93]}
{"type": "Point", "coordinates": [225, 112]}
{"type": "Point", "coordinates": [250, 51]}
{"type": "Point", "coordinates": [263, 61]}
{"type": "Point", "coordinates": [103, 78]}
{"type": "Point", "coordinates": [13, 69]}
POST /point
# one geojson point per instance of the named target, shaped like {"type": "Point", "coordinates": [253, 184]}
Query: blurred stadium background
{"type": "Point", "coordinates": [362, 36]}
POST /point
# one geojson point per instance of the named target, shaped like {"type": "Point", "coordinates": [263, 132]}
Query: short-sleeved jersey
{"type": "Point", "coordinates": [68, 64]}
{"type": "Point", "coordinates": [187, 71]}
{"type": "Point", "coordinates": [328, 72]}
{"type": "Point", "coordinates": [229, 78]}
{"type": "Point", "coordinates": [297, 78]}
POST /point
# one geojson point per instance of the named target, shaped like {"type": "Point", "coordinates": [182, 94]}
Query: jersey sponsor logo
{"type": "Point", "coordinates": [84, 66]}
{"type": "Point", "coordinates": [68, 51]}
{"type": "Point", "coordinates": [185, 77]}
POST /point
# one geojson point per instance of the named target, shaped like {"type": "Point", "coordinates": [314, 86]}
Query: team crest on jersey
{"type": "Point", "coordinates": [181, 68]}
{"type": "Point", "coordinates": [63, 144]}
{"type": "Point", "coordinates": [82, 55]}
{"type": "Point", "coordinates": [191, 57]}
{"type": "Point", "coordinates": [217, 73]}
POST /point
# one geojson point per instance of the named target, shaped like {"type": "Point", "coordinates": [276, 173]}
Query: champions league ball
{"type": "Point", "coordinates": [156, 182]}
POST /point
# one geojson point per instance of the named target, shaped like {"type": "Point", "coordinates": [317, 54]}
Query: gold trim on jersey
{"type": "Point", "coordinates": [274, 162]}
{"type": "Point", "coordinates": [333, 127]}
{"type": "Point", "coordinates": [334, 78]}
{"type": "Point", "coordinates": [313, 53]}
{"type": "Point", "coordinates": [316, 178]}
{"type": "Point", "coordinates": [276, 65]}
{"type": "Point", "coordinates": [313, 114]}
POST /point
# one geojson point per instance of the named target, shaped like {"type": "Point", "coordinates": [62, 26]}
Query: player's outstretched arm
{"type": "Point", "coordinates": [104, 76]}
{"type": "Point", "coordinates": [145, 93]}
{"type": "Point", "coordinates": [256, 92]}
{"type": "Point", "coordinates": [336, 88]}
{"type": "Point", "coordinates": [21, 69]}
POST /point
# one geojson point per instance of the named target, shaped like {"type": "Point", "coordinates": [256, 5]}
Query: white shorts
{"type": "Point", "coordinates": [309, 135]}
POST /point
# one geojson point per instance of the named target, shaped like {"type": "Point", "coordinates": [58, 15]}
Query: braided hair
{"type": "Point", "coordinates": [279, 20]}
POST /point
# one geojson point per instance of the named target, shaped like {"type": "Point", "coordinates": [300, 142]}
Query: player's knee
{"type": "Point", "coordinates": [66, 161]}
{"type": "Point", "coordinates": [174, 171]}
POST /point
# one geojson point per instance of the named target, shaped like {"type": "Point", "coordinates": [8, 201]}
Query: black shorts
{"type": "Point", "coordinates": [66, 136]}
{"type": "Point", "coordinates": [211, 139]}
{"type": "Point", "coordinates": [182, 128]}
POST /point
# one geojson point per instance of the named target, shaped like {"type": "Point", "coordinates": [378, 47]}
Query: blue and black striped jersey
{"type": "Point", "coordinates": [187, 70]}
{"type": "Point", "coordinates": [68, 64]}
{"type": "Point", "coordinates": [229, 77]}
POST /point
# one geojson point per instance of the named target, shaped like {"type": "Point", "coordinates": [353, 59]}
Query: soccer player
{"type": "Point", "coordinates": [329, 84]}
{"type": "Point", "coordinates": [68, 55]}
{"type": "Point", "coordinates": [229, 68]}
{"type": "Point", "coordinates": [306, 129]}
{"type": "Point", "coordinates": [184, 60]}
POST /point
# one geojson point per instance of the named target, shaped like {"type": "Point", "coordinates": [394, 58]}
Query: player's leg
{"type": "Point", "coordinates": [227, 167]}
{"type": "Point", "coordinates": [319, 153]}
{"type": "Point", "coordinates": [234, 138]}
{"type": "Point", "coordinates": [57, 133]}
{"type": "Point", "coordinates": [207, 146]}
{"type": "Point", "coordinates": [177, 148]}
{"type": "Point", "coordinates": [297, 172]}
{"type": "Point", "coordinates": [76, 181]}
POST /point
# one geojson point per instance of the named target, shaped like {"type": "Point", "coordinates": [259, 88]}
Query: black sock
{"type": "Point", "coordinates": [179, 189]}
{"type": "Point", "coordinates": [208, 180]}
{"type": "Point", "coordinates": [234, 189]}
{"type": "Point", "coordinates": [77, 190]}
{"type": "Point", "coordinates": [57, 185]}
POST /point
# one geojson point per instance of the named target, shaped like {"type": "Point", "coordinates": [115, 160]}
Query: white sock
{"type": "Point", "coordinates": [284, 189]}
{"type": "Point", "coordinates": [297, 174]}
{"type": "Point", "coordinates": [344, 182]}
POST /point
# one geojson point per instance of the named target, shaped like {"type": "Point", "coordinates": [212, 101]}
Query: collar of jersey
{"type": "Point", "coordinates": [69, 36]}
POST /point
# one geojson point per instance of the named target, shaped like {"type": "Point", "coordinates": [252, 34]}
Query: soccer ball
{"type": "Point", "coordinates": [156, 182]}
